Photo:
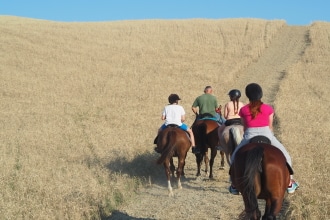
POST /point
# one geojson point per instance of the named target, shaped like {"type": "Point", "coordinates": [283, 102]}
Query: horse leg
{"type": "Point", "coordinates": [184, 164]}
{"type": "Point", "coordinates": [179, 171]}
{"type": "Point", "coordinates": [206, 161]}
{"type": "Point", "coordinates": [213, 155]}
{"type": "Point", "coordinates": [168, 176]}
{"type": "Point", "coordinates": [199, 158]}
{"type": "Point", "coordinates": [273, 207]}
{"type": "Point", "coordinates": [172, 167]}
{"type": "Point", "coordinates": [222, 161]}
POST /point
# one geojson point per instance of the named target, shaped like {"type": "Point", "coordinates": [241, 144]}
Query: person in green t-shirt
{"type": "Point", "coordinates": [206, 103]}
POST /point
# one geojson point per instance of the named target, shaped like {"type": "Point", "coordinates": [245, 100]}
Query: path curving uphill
{"type": "Point", "coordinates": [200, 197]}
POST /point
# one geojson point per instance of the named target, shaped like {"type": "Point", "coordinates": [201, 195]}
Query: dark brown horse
{"type": "Point", "coordinates": [260, 171]}
{"type": "Point", "coordinates": [206, 136]}
{"type": "Point", "coordinates": [173, 142]}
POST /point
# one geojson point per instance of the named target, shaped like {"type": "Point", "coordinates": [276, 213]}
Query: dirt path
{"type": "Point", "coordinates": [200, 197]}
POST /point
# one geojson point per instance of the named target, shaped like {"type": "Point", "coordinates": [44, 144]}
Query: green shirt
{"type": "Point", "coordinates": [206, 103]}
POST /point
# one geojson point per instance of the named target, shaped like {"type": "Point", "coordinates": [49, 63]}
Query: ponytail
{"type": "Point", "coordinates": [255, 108]}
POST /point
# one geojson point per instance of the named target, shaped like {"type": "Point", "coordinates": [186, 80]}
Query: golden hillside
{"type": "Point", "coordinates": [81, 104]}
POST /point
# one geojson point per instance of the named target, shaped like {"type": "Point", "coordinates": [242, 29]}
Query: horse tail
{"type": "Point", "coordinates": [235, 135]}
{"type": "Point", "coordinates": [202, 129]}
{"type": "Point", "coordinates": [169, 146]}
{"type": "Point", "coordinates": [252, 167]}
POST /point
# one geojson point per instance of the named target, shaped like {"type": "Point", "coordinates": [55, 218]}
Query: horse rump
{"type": "Point", "coordinates": [259, 172]}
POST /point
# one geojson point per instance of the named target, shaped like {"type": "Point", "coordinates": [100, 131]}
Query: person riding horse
{"type": "Point", "coordinates": [257, 119]}
{"type": "Point", "coordinates": [231, 110]}
{"type": "Point", "coordinates": [174, 115]}
{"type": "Point", "coordinates": [205, 106]}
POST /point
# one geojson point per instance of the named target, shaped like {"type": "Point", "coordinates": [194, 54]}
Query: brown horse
{"type": "Point", "coordinates": [229, 139]}
{"type": "Point", "coordinates": [173, 142]}
{"type": "Point", "coordinates": [259, 171]}
{"type": "Point", "coordinates": [206, 136]}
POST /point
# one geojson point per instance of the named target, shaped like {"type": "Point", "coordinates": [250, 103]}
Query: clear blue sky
{"type": "Point", "coordinates": [295, 12]}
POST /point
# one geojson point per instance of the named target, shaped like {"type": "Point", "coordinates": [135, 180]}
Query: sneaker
{"type": "Point", "coordinates": [293, 186]}
{"type": "Point", "coordinates": [233, 190]}
{"type": "Point", "coordinates": [195, 150]}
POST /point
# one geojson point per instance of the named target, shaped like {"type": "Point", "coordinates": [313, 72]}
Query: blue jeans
{"type": "Point", "coordinates": [220, 119]}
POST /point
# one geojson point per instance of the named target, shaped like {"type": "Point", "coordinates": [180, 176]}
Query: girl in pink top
{"type": "Point", "coordinates": [257, 119]}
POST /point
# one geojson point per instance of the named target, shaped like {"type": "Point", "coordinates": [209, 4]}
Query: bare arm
{"type": "Point", "coordinates": [271, 119]}
{"type": "Point", "coordinates": [183, 118]}
{"type": "Point", "coordinates": [194, 109]}
{"type": "Point", "coordinates": [226, 111]}
{"type": "Point", "coordinates": [163, 117]}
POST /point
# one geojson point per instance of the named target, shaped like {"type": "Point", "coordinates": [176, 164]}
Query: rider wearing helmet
{"type": "Point", "coordinates": [257, 119]}
{"type": "Point", "coordinates": [174, 114]}
{"type": "Point", "coordinates": [231, 110]}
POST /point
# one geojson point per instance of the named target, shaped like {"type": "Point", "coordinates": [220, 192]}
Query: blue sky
{"type": "Point", "coordinates": [295, 12]}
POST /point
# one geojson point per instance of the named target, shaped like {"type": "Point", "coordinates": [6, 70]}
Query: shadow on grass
{"type": "Point", "coordinates": [143, 166]}
{"type": "Point", "coordinates": [123, 216]}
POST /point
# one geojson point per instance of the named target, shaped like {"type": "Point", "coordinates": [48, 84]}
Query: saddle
{"type": "Point", "coordinates": [233, 121]}
{"type": "Point", "coordinates": [172, 126]}
{"type": "Point", "coordinates": [259, 139]}
{"type": "Point", "coordinates": [263, 139]}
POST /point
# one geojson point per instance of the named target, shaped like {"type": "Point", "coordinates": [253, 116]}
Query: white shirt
{"type": "Point", "coordinates": [173, 114]}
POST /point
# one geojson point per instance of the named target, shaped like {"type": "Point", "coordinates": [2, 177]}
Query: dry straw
{"type": "Point", "coordinates": [81, 104]}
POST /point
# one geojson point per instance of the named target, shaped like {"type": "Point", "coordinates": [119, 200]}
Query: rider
{"type": "Point", "coordinates": [231, 110]}
{"type": "Point", "coordinates": [257, 119]}
{"type": "Point", "coordinates": [175, 114]}
{"type": "Point", "coordinates": [207, 104]}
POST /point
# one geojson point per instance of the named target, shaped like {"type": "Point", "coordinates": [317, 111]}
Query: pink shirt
{"type": "Point", "coordinates": [261, 120]}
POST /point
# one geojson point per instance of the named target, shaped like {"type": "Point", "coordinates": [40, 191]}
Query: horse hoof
{"type": "Point", "coordinates": [221, 168]}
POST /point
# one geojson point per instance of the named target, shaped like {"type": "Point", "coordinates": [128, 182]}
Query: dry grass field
{"type": "Point", "coordinates": [81, 104]}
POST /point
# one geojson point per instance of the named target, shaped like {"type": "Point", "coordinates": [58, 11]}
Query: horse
{"type": "Point", "coordinates": [173, 142]}
{"type": "Point", "coordinates": [260, 171]}
{"type": "Point", "coordinates": [205, 131]}
{"type": "Point", "coordinates": [229, 139]}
